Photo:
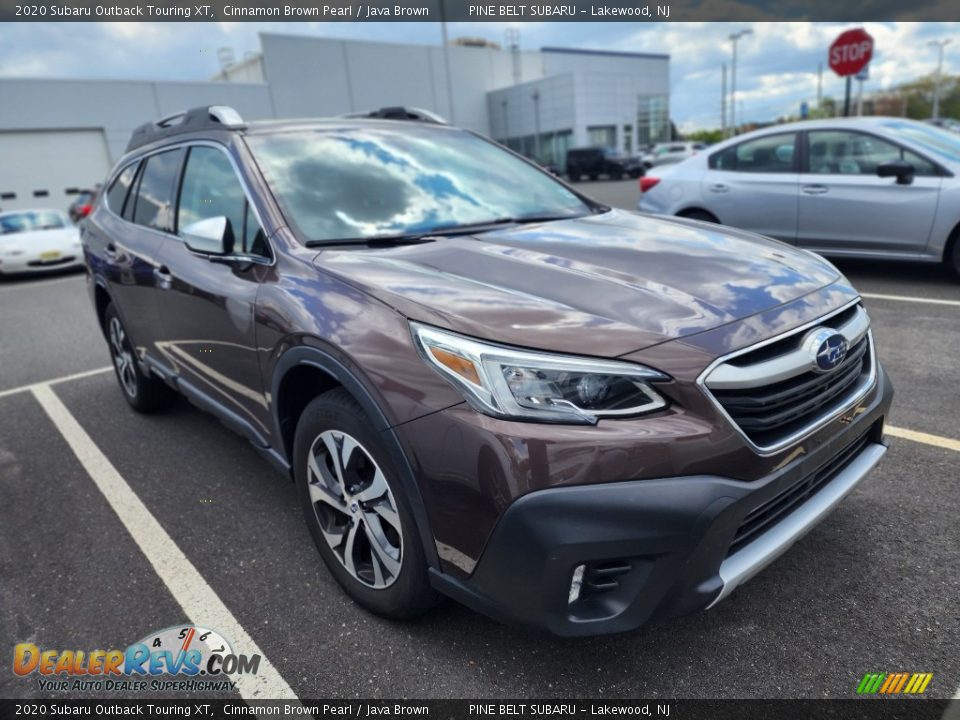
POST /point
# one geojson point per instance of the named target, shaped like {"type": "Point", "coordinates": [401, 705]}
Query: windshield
{"type": "Point", "coordinates": [30, 221]}
{"type": "Point", "coordinates": [368, 182]}
{"type": "Point", "coordinates": [942, 142]}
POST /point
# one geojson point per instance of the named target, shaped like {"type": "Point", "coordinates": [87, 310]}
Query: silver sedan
{"type": "Point", "coordinates": [855, 187]}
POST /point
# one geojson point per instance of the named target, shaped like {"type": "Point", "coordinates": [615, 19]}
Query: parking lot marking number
{"type": "Point", "coordinates": [198, 600]}
{"type": "Point", "coordinates": [909, 298]}
{"type": "Point", "coordinates": [922, 437]}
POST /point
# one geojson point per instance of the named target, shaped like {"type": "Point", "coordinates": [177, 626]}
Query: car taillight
{"type": "Point", "coordinates": [647, 182]}
{"type": "Point", "coordinates": [85, 210]}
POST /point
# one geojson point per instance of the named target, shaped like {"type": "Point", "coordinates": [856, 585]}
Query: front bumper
{"type": "Point", "coordinates": [21, 264]}
{"type": "Point", "coordinates": [659, 548]}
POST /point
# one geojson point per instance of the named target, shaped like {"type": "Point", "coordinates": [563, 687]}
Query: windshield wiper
{"type": "Point", "coordinates": [441, 231]}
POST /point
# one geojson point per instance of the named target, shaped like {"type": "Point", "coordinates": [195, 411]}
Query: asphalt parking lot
{"type": "Point", "coordinates": [874, 588]}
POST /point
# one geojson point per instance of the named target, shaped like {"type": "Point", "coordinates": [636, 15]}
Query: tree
{"type": "Point", "coordinates": [706, 136]}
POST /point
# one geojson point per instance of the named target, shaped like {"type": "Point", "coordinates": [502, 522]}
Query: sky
{"type": "Point", "coordinates": [777, 64]}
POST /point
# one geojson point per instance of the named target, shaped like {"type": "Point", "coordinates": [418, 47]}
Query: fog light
{"type": "Point", "coordinates": [576, 583]}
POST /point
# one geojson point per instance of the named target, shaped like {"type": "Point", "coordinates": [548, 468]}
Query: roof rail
{"type": "Point", "coordinates": [400, 113]}
{"type": "Point", "coordinates": [198, 118]}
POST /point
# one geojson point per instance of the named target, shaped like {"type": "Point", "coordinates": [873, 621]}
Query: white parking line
{"type": "Point", "coordinates": [198, 600]}
{"type": "Point", "coordinates": [922, 437]}
{"type": "Point", "coordinates": [911, 299]}
{"type": "Point", "coordinates": [56, 381]}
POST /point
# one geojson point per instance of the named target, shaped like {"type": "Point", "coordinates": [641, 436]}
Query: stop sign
{"type": "Point", "coordinates": [850, 52]}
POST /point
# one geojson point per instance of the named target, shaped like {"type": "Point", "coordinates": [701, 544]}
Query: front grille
{"type": "Point", "coordinates": [770, 412]}
{"type": "Point", "coordinates": [762, 517]}
{"type": "Point", "coordinates": [773, 393]}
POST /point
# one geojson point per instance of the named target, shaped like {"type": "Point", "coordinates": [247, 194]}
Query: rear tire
{"type": "Point", "coordinates": [701, 215]}
{"type": "Point", "coordinates": [356, 510]}
{"type": "Point", "coordinates": [142, 391]}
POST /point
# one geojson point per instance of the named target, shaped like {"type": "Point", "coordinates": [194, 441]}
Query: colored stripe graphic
{"type": "Point", "coordinates": [894, 683]}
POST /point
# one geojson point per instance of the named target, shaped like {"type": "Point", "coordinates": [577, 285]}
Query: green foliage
{"type": "Point", "coordinates": [706, 136]}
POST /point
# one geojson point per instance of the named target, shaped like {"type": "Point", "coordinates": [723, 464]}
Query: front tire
{"type": "Point", "coordinates": [143, 392]}
{"type": "Point", "coordinates": [953, 260]}
{"type": "Point", "coordinates": [356, 510]}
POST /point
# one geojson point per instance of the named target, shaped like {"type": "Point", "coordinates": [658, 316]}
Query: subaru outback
{"type": "Point", "coordinates": [484, 384]}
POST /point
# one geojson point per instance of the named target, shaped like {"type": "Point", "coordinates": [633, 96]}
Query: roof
{"type": "Point", "coordinates": [222, 117]}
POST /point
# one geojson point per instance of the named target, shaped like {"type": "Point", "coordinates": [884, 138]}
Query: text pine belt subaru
{"type": "Point", "coordinates": [485, 384]}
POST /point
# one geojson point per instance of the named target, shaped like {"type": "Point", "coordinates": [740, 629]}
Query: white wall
{"type": "Point", "coordinates": [311, 76]}
{"type": "Point", "coordinates": [50, 161]}
{"type": "Point", "coordinates": [116, 107]}
{"type": "Point", "coordinates": [557, 107]}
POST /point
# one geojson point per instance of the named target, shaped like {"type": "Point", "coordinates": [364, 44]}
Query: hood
{"type": "Point", "coordinates": [603, 285]}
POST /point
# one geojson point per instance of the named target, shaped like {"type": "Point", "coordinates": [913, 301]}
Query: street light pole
{"type": "Point", "coordinates": [939, 44]}
{"type": "Point", "coordinates": [734, 37]}
{"type": "Point", "coordinates": [446, 60]}
{"type": "Point", "coordinates": [536, 123]}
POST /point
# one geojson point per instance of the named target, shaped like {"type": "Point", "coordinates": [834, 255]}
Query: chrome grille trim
{"type": "Point", "coordinates": [833, 410]}
{"type": "Point", "coordinates": [784, 367]}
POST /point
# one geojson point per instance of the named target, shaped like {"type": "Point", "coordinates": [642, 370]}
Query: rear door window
{"type": "Point", "coordinates": [154, 203]}
{"type": "Point", "coordinates": [768, 154]}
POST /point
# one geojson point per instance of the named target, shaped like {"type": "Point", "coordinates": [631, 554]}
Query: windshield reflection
{"type": "Point", "coordinates": [359, 183]}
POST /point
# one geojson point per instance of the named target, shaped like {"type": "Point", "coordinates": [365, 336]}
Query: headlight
{"type": "Point", "coordinates": [530, 385]}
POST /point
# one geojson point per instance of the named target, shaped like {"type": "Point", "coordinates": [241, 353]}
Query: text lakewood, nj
{"type": "Point", "coordinates": [531, 10]}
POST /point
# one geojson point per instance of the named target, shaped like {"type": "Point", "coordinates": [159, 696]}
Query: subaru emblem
{"type": "Point", "coordinates": [827, 349]}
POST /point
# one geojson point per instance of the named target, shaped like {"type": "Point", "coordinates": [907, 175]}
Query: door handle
{"type": "Point", "coordinates": [163, 276]}
{"type": "Point", "coordinates": [719, 188]}
{"type": "Point", "coordinates": [814, 189]}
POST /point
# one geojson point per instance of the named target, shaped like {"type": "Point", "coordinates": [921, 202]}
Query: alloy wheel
{"type": "Point", "coordinates": [355, 509]}
{"type": "Point", "coordinates": [123, 357]}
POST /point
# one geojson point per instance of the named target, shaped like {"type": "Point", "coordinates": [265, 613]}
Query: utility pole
{"type": "Point", "coordinates": [734, 37]}
{"type": "Point", "coordinates": [446, 59]}
{"type": "Point", "coordinates": [939, 44]}
{"type": "Point", "coordinates": [819, 85]}
{"type": "Point", "coordinates": [723, 100]}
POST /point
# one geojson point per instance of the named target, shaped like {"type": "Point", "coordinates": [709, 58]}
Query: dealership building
{"type": "Point", "coordinates": [58, 136]}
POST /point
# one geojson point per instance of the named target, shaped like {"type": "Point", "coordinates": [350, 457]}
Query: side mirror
{"type": "Point", "coordinates": [900, 169]}
{"type": "Point", "coordinates": [213, 236]}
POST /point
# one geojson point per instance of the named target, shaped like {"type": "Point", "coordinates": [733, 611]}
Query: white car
{"type": "Point", "coordinates": [872, 187]}
{"type": "Point", "coordinates": [38, 240]}
{"type": "Point", "coordinates": [672, 152]}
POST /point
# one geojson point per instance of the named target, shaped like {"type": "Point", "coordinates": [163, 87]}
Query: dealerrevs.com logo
{"type": "Point", "coordinates": [183, 657]}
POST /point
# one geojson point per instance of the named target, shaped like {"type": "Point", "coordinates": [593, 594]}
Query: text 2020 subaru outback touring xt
{"type": "Point", "coordinates": [483, 383]}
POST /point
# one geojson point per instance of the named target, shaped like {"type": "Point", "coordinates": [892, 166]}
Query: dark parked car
{"type": "Point", "coordinates": [596, 161]}
{"type": "Point", "coordinates": [484, 384]}
{"type": "Point", "coordinates": [82, 204]}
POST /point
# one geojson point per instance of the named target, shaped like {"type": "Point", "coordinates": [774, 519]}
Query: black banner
{"type": "Point", "coordinates": [466, 11]}
{"type": "Point", "coordinates": [900, 709]}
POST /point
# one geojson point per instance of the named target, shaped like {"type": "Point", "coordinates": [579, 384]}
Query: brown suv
{"type": "Point", "coordinates": [485, 384]}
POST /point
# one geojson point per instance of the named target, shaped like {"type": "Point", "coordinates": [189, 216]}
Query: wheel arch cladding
{"type": "Point", "coordinates": [303, 373]}
{"type": "Point", "coordinates": [102, 300]}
